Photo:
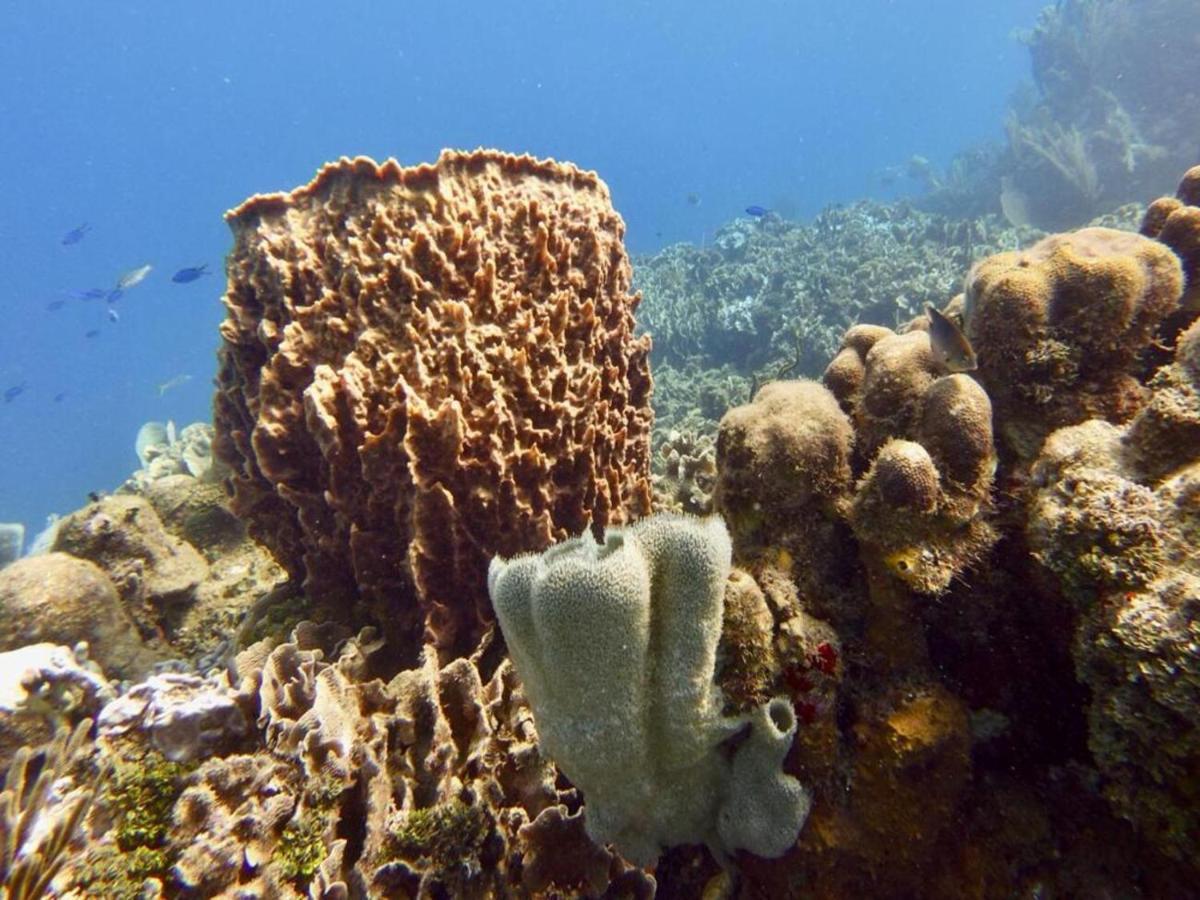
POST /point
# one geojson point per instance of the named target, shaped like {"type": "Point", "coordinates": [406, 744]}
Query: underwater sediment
{"type": "Point", "coordinates": [940, 641]}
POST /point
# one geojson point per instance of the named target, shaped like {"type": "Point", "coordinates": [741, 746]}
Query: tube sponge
{"type": "Point", "coordinates": [616, 644]}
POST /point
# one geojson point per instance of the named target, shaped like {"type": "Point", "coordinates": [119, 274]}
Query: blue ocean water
{"type": "Point", "coordinates": [148, 120]}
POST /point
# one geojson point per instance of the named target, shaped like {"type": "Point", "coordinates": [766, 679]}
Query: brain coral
{"type": "Point", "coordinates": [426, 366]}
{"type": "Point", "coordinates": [1059, 327]}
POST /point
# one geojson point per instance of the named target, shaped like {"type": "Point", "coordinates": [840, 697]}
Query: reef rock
{"type": "Point", "coordinates": [423, 367]}
{"type": "Point", "coordinates": [155, 573]}
{"type": "Point", "coordinates": [58, 598]}
{"type": "Point", "coordinates": [40, 686]}
{"type": "Point", "coordinates": [184, 717]}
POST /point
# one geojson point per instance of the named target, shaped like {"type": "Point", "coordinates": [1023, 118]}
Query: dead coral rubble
{"type": "Point", "coordinates": [425, 366]}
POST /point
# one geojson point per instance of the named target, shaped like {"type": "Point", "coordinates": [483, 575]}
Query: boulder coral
{"type": "Point", "coordinates": [1059, 329]}
{"type": "Point", "coordinates": [425, 366]}
{"type": "Point", "coordinates": [783, 459]}
{"type": "Point", "coordinates": [616, 644]}
{"type": "Point", "coordinates": [59, 599]}
{"type": "Point", "coordinates": [1175, 221]}
{"type": "Point", "coordinates": [924, 439]}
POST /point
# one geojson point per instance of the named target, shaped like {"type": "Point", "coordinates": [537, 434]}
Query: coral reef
{"type": "Point", "coordinates": [616, 645]}
{"type": "Point", "coordinates": [1175, 221]}
{"type": "Point", "coordinates": [777, 299]}
{"type": "Point", "coordinates": [12, 539]}
{"type": "Point", "coordinates": [163, 453]}
{"type": "Point", "coordinates": [402, 350]}
{"type": "Point", "coordinates": [333, 783]}
{"type": "Point", "coordinates": [946, 648]}
{"type": "Point", "coordinates": [1060, 328]}
{"type": "Point", "coordinates": [41, 806]}
{"type": "Point", "coordinates": [43, 686]}
{"type": "Point", "coordinates": [689, 468]}
{"type": "Point", "coordinates": [1114, 520]}
{"type": "Point", "coordinates": [1109, 120]}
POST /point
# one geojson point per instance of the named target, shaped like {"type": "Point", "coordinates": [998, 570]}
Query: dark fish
{"type": "Point", "coordinates": [75, 235]}
{"type": "Point", "coordinates": [60, 396]}
{"type": "Point", "coordinates": [693, 199]}
{"type": "Point", "coordinates": [191, 273]}
{"type": "Point", "coordinates": [95, 332]}
{"type": "Point", "coordinates": [55, 305]}
{"type": "Point", "coordinates": [950, 345]}
{"type": "Point", "coordinates": [93, 294]}
{"type": "Point", "coordinates": [14, 392]}
{"type": "Point", "coordinates": [757, 211]}
{"type": "Point", "coordinates": [114, 295]}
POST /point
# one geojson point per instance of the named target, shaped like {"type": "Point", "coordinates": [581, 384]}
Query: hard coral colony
{"type": "Point", "coordinates": [938, 639]}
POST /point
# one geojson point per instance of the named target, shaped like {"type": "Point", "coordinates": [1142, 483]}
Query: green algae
{"type": "Point", "coordinates": [442, 834]}
{"type": "Point", "coordinates": [301, 847]}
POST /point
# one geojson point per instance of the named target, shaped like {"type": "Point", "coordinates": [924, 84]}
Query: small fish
{"type": "Point", "coordinates": [113, 316]}
{"type": "Point", "coordinates": [172, 383]}
{"type": "Point", "coordinates": [114, 295]}
{"type": "Point", "coordinates": [693, 199]}
{"type": "Point", "coordinates": [75, 235]}
{"type": "Point", "coordinates": [950, 345]}
{"type": "Point", "coordinates": [133, 277]}
{"type": "Point", "coordinates": [55, 305]}
{"type": "Point", "coordinates": [60, 396]}
{"type": "Point", "coordinates": [94, 332]}
{"type": "Point", "coordinates": [14, 392]}
{"type": "Point", "coordinates": [191, 273]}
{"type": "Point", "coordinates": [757, 211]}
{"type": "Point", "coordinates": [92, 294]}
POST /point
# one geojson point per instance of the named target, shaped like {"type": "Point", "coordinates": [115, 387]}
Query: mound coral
{"type": "Point", "coordinates": [426, 366]}
{"type": "Point", "coordinates": [616, 645]}
{"type": "Point", "coordinates": [1114, 520]}
{"type": "Point", "coordinates": [1176, 222]}
{"type": "Point", "coordinates": [1059, 329]}
{"type": "Point", "coordinates": [925, 440]}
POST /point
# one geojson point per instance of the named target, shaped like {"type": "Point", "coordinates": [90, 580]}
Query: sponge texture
{"type": "Point", "coordinates": [616, 644]}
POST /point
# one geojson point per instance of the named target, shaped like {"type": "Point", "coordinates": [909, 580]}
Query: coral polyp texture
{"type": "Point", "coordinates": [425, 366]}
{"type": "Point", "coordinates": [1176, 222]}
{"type": "Point", "coordinates": [1059, 328]}
{"type": "Point", "coordinates": [924, 445]}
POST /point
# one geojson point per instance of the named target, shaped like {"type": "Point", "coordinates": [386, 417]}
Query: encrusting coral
{"type": "Point", "coordinates": [424, 366]}
{"type": "Point", "coordinates": [1114, 520]}
{"type": "Point", "coordinates": [616, 644]}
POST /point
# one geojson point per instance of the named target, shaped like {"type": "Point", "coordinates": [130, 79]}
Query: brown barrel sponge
{"type": "Point", "coordinates": [424, 367]}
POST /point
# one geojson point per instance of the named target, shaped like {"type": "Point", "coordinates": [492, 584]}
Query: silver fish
{"type": "Point", "coordinates": [172, 383]}
{"type": "Point", "coordinates": [950, 346]}
{"type": "Point", "coordinates": [133, 277]}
